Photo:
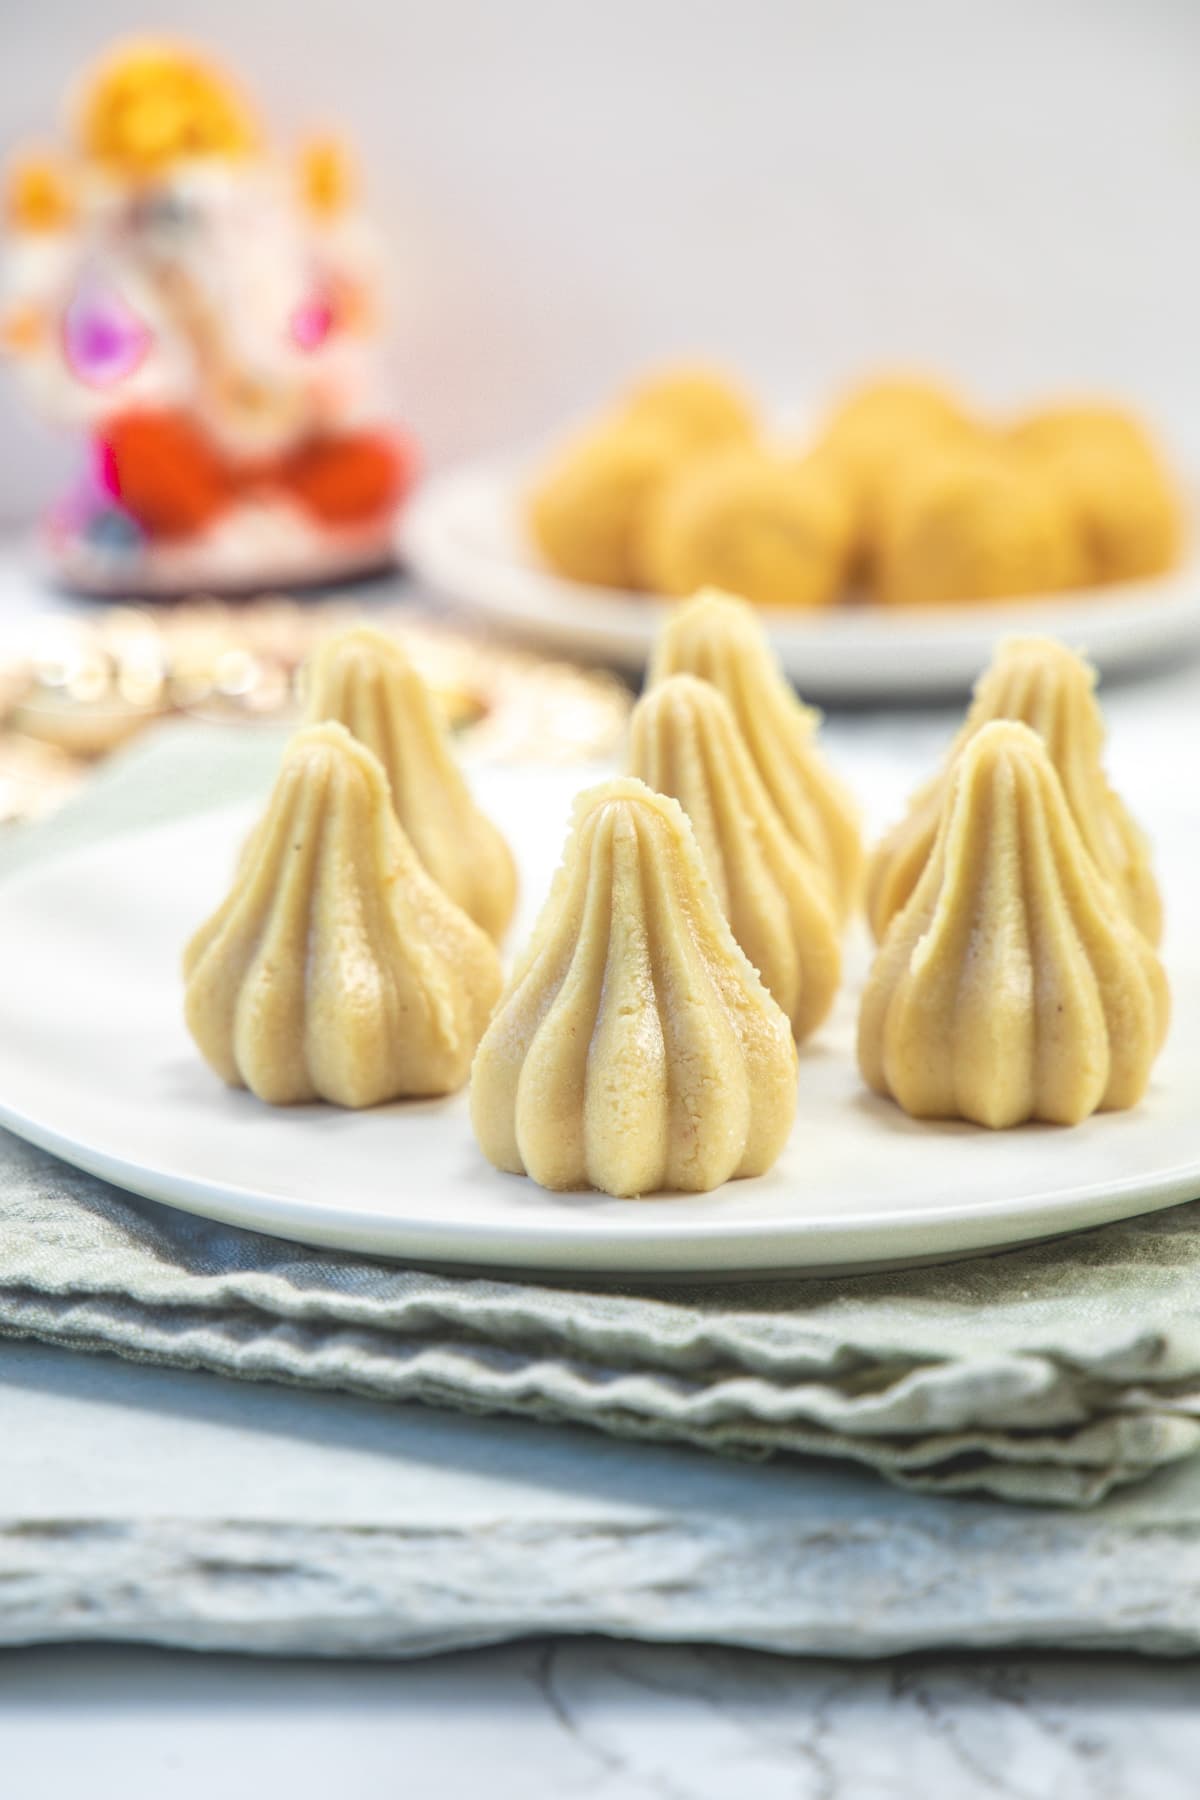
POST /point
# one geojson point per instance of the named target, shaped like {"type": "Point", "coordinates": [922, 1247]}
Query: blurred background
{"type": "Point", "coordinates": [1000, 189]}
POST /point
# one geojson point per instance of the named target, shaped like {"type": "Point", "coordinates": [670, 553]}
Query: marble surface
{"type": "Point", "coordinates": [555, 1719]}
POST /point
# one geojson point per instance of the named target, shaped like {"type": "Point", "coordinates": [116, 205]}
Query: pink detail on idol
{"type": "Point", "coordinates": [103, 465]}
{"type": "Point", "coordinates": [311, 323]}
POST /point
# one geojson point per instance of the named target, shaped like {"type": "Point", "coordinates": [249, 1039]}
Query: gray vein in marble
{"type": "Point", "coordinates": [702, 1724]}
{"type": "Point", "coordinates": [591, 1720]}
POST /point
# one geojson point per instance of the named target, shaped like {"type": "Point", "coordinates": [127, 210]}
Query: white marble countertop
{"type": "Point", "coordinates": [599, 1720]}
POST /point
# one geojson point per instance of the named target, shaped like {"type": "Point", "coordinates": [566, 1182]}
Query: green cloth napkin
{"type": "Point", "coordinates": [1046, 1374]}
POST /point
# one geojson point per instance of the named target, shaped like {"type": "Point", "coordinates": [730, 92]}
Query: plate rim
{"type": "Point", "coordinates": [736, 1249]}
{"type": "Point", "coordinates": [490, 1247]}
{"type": "Point", "coordinates": [1121, 626]}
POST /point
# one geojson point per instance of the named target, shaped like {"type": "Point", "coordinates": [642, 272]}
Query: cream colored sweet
{"type": "Point", "coordinates": [1041, 683]}
{"type": "Point", "coordinates": [719, 639]}
{"type": "Point", "coordinates": [684, 741]}
{"type": "Point", "coordinates": [1012, 986]}
{"type": "Point", "coordinates": [635, 1049]}
{"type": "Point", "coordinates": [363, 680]}
{"type": "Point", "coordinates": [336, 968]}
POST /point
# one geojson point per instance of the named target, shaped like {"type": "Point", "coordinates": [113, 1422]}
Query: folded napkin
{"type": "Point", "coordinates": [1051, 1373]}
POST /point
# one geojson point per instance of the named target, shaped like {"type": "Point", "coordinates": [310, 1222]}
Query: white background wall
{"type": "Point", "coordinates": [1003, 188]}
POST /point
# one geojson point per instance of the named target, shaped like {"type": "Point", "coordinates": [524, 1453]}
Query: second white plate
{"type": "Point", "coordinates": [463, 537]}
{"type": "Point", "coordinates": [95, 1065]}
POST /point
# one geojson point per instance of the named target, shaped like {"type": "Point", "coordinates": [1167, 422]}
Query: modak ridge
{"type": "Point", "coordinates": [635, 1049]}
{"type": "Point", "coordinates": [684, 741]}
{"type": "Point", "coordinates": [362, 679]}
{"type": "Point", "coordinates": [1038, 682]}
{"type": "Point", "coordinates": [1012, 986]}
{"type": "Point", "coordinates": [337, 968]}
{"type": "Point", "coordinates": [718, 638]}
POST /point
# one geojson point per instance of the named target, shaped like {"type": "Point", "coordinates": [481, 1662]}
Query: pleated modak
{"type": "Point", "coordinates": [1041, 683]}
{"type": "Point", "coordinates": [718, 638]}
{"type": "Point", "coordinates": [1013, 986]}
{"type": "Point", "coordinates": [337, 968]}
{"type": "Point", "coordinates": [684, 741]}
{"type": "Point", "coordinates": [363, 680]}
{"type": "Point", "coordinates": [635, 1049]}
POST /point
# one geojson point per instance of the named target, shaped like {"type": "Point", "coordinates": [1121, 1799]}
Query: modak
{"type": "Point", "coordinates": [363, 680]}
{"type": "Point", "coordinates": [1041, 683]}
{"type": "Point", "coordinates": [635, 1049]}
{"type": "Point", "coordinates": [718, 638]}
{"type": "Point", "coordinates": [337, 968]}
{"type": "Point", "coordinates": [684, 741]}
{"type": "Point", "coordinates": [777, 530]}
{"type": "Point", "coordinates": [1012, 986]}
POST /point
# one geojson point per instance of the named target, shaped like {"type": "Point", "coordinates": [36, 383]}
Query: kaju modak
{"type": "Point", "coordinates": [1012, 986]}
{"type": "Point", "coordinates": [337, 968]}
{"type": "Point", "coordinates": [776, 529]}
{"type": "Point", "coordinates": [719, 639]}
{"type": "Point", "coordinates": [363, 680]}
{"type": "Point", "coordinates": [635, 1049]}
{"type": "Point", "coordinates": [1115, 484]}
{"type": "Point", "coordinates": [1041, 683]}
{"type": "Point", "coordinates": [684, 741]}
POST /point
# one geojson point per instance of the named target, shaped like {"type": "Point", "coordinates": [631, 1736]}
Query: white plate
{"type": "Point", "coordinates": [95, 1065]}
{"type": "Point", "coordinates": [463, 537]}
